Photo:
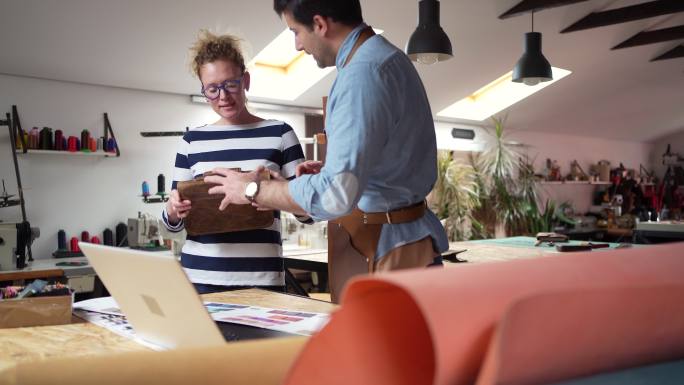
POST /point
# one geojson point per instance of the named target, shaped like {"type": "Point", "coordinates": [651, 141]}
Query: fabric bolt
{"type": "Point", "coordinates": [382, 147]}
{"type": "Point", "coordinates": [239, 258]}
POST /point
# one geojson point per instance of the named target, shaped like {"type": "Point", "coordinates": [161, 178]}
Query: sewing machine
{"type": "Point", "coordinates": [144, 232]}
{"type": "Point", "coordinates": [15, 240]}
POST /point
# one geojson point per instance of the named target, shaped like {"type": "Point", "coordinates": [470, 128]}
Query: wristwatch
{"type": "Point", "coordinates": [251, 190]}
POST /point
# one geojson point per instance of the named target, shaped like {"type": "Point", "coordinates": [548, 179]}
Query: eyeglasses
{"type": "Point", "coordinates": [213, 91]}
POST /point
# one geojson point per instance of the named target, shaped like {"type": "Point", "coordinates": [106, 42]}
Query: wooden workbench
{"type": "Point", "coordinates": [506, 249]}
{"type": "Point", "coordinates": [85, 339]}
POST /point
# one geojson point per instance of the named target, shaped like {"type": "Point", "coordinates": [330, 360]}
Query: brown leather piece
{"type": "Point", "coordinates": [416, 254]}
{"type": "Point", "coordinates": [206, 218]}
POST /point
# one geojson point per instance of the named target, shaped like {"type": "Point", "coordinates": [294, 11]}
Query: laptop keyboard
{"type": "Point", "coordinates": [237, 332]}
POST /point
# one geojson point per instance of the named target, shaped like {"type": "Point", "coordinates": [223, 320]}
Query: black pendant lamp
{"type": "Point", "coordinates": [532, 68]}
{"type": "Point", "coordinates": [428, 43]}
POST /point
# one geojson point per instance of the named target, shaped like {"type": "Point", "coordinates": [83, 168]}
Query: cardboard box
{"type": "Point", "coordinates": [35, 311]}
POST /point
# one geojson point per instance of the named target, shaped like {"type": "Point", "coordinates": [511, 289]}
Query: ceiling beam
{"type": "Point", "coordinates": [526, 6]}
{"type": "Point", "coordinates": [655, 36]}
{"type": "Point", "coordinates": [625, 14]}
{"type": "Point", "coordinates": [674, 53]}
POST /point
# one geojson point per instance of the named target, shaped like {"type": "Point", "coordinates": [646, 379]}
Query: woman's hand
{"type": "Point", "coordinates": [177, 209]}
{"type": "Point", "coordinates": [308, 167]}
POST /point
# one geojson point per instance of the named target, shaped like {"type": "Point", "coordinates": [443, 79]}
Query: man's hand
{"type": "Point", "coordinates": [308, 167]}
{"type": "Point", "coordinates": [177, 209]}
{"type": "Point", "coordinates": [232, 184]}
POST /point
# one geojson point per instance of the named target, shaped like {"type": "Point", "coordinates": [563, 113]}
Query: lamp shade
{"type": "Point", "coordinates": [532, 67]}
{"type": "Point", "coordinates": [428, 44]}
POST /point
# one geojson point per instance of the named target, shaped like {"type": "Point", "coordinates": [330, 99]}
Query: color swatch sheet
{"type": "Point", "coordinates": [289, 321]}
{"type": "Point", "coordinates": [105, 312]}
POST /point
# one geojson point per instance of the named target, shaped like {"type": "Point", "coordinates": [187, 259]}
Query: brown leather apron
{"type": "Point", "coordinates": [353, 240]}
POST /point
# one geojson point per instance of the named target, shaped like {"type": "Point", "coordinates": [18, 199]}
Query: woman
{"type": "Point", "coordinates": [239, 139]}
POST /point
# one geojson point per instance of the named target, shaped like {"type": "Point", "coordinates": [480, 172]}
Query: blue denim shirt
{"type": "Point", "coordinates": [382, 150]}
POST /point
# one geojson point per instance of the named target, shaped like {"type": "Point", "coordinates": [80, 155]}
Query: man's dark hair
{"type": "Point", "coordinates": [347, 12]}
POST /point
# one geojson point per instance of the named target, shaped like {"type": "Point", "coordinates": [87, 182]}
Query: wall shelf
{"type": "Point", "coordinates": [68, 153]}
{"type": "Point", "coordinates": [573, 182]}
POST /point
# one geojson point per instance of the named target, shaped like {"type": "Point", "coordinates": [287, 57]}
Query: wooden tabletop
{"type": "Point", "coordinates": [82, 338]}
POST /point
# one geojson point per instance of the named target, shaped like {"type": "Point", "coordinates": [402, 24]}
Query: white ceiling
{"type": "Point", "coordinates": [142, 44]}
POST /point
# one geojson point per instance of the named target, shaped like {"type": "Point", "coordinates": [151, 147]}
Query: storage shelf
{"type": "Point", "coordinates": [69, 153]}
{"type": "Point", "coordinates": [573, 182]}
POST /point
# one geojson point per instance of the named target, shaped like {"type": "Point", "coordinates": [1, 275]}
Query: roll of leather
{"type": "Point", "coordinates": [121, 235]}
{"type": "Point", "coordinates": [61, 240]}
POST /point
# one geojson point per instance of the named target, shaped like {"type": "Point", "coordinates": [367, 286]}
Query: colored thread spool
{"type": "Point", "coordinates": [71, 144]}
{"type": "Point", "coordinates": [34, 138]}
{"type": "Point", "coordinates": [95, 240]}
{"type": "Point", "coordinates": [108, 237]}
{"type": "Point", "coordinates": [85, 236]}
{"type": "Point", "coordinates": [61, 240]}
{"type": "Point", "coordinates": [121, 235]}
{"type": "Point", "coordinates": [100, 144]}
{"type": "Point", "coordinates": [93, 145]}
{"type": "Point", "coordinates": [59, 140]}
{"type": "Point", "coordinates": [145, 189]}
{"type": "Point", "coordinates": [74, 245]}
{"type": "Point", "coordinates": [45, 139]}
{"type": "Point", "coordinates": [160, 184]}
{"type": "Point", "coordinates": [85, 140]}
{"type": "Point", "coordinates": [111, 145]}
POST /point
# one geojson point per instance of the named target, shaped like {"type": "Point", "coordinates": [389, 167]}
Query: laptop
{"type": "Point", "coordinates": [159, 301]}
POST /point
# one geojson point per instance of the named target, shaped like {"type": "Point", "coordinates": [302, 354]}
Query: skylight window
{"type": "Point", "coordinates": [496, 96]}
{"type": "Point", "coordinates": [281, 72]}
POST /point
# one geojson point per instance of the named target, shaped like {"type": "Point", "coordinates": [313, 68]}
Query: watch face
{"type": "Point", "coordinates": [251, 189]}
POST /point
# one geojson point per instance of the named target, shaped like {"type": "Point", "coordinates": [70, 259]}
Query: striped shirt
{"type": "Point", "coordinates": [240, 258]}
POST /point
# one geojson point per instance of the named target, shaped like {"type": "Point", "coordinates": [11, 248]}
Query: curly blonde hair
{"type": "Point", "coordinates": [209, 48]}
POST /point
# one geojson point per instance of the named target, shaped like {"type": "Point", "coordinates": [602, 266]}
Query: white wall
{"type": "Point", "coordinates": [564, 148]}
{"type": "Point", "coordinates": [676, 142]}
{"type": "Point", "coordinates": [77, 193]}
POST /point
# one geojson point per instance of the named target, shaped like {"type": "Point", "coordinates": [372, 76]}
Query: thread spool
{"type": "Point", "coordinates": [59, 140]}
{"type": "Point", "coordinates": [85, 140]}
{"type": "Point", "coordinates": [121, 235]}
{"type": "Point", "coordinates": [64, 143]}
{"type": "Point", "coordinates": [111, 145]}
{"type": "Point", "coordinates": [85, 236]}
{"type": "Point", "coordinates": [34, 138]}
{"type": "Point", "coordinates": [108, 237]}
{"type": "Point", "coordinates": [61, 240]}
{"type": "Point", "coordinates": [95, 240]}
{"type": "Point", "coordinates": [145, 189]}
{"type": "Point", "coordinates": [45, 139]}
{"type": "Point", "coordinates": [74, 245]}
{"type": "Point", "coordinates": [100, 144]}
{"type": "Point", "coordinates": [92, 145]}
{"type": "Point", "coordinates": [71, 144]}
{"type": "Point", "coordinates": [161, 184]}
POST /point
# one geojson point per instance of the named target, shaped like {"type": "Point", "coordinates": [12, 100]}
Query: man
{"type": "Point", "coordinates": [381, 154]}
